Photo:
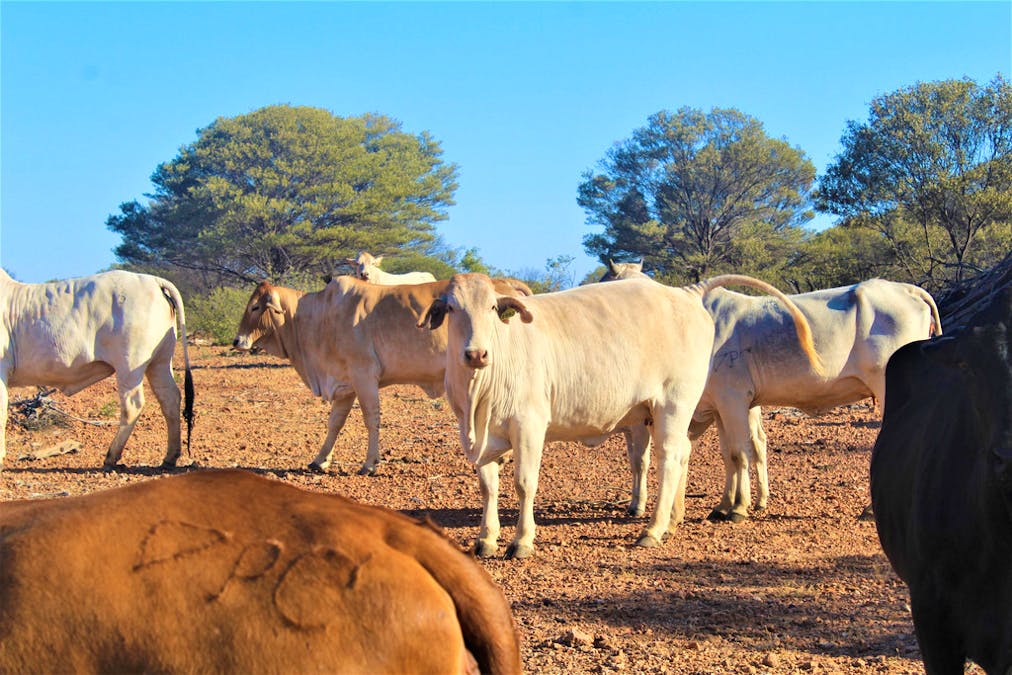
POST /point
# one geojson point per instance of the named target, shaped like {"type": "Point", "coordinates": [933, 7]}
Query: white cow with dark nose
{"type": "Point", "coordinates": [579, 365]}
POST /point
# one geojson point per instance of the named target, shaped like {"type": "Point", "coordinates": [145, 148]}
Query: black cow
{"type": "Point", "coordinates": [941, 486]}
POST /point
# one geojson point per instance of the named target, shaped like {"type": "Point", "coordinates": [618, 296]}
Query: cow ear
{"type": "Point", "coordinates": [377, 261]}
{"type": "Point", "coordinates": [271, 302]}
{"type": "Point", "coordinates": [506, 303]}
{"type": "Point", "coordinates": [434, 315]}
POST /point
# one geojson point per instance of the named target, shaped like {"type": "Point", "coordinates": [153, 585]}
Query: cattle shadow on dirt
{"type": "Point", "coordinates": [760, 607]}
{"type": "Point", "coordinates": [240, 366]}
{"type": "Point", "coordinates": [452, 518]}
{"type": "Point", "coordinates": [154, 470]}
{"type": "Point", "coordinates": [447, 519]}
{"type": "Point", "coordinates": [546, 515]}
{"type": "Point", "coordinates": [859, 424]}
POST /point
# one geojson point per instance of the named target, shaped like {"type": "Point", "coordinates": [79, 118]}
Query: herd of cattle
{"type": "Point", "coordinates": [656, 363]}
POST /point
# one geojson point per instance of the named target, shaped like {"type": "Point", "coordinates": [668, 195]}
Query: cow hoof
{"type": "Point", "coordinates": [167, 465]}
{"type": "Point", "coordinates": [316, 468]}
{"type": "Point", "coordinates": [717, 516]}
{"type": "Point", "coordinates": [484, 550]}
{"type": "Point", "coordinates": [519, 552]}
{"type": "Point", "coordinates": [635, 512]}
{"type": "Point", "coordinates": [367, 470]}
{"type": "Point", "coordinates": [648, 541]}
{"type": "Point", "coordinates": [735, 517]}
{"type": "Point", "coordinates": [112, 467]}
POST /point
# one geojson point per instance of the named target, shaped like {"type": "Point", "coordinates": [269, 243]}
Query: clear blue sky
{"type": "Point", "coordinates": [524, 97]}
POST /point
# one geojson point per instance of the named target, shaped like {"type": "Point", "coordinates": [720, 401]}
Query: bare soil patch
{"type": "Point", "coordinates": [802, 587]}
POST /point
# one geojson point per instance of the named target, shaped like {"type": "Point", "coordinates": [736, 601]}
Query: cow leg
{"type": "Point", "coordinates": [3, 423]}
{"type": "Point", "coordinates": [339, 410]}
{"type": "Point", "coordinates": [732, 475]}
{"type": "Point", "coordinates": [529, 445]}
{"type": "Point", "coordinates": [637, 443]}
{"type": "Point", "coordinates": [736, 444]}
{"type": "Point", "coordinates": [488, 535]}
{"type": "Point", "coordinates": [940, 647]}
{"type": "Point", "coordinates": [758, 437]}
{"type": "Point", "coordinates": [165, 390]}
{"type": "Point", "coordinates": [131, 402]}
{"type": "Point", "coordinates": [670, 436]}
{"type": "Point", "coordinates": [369, 401]}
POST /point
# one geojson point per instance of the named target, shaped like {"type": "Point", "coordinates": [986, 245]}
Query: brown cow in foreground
{"type": "Point", "coordinates": [224, 571]}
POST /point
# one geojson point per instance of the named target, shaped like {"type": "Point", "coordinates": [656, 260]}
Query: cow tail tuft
{"type": "Point", "coordinates": [188, 406]}
{"type": "Point", "coordinates": [176, 301]}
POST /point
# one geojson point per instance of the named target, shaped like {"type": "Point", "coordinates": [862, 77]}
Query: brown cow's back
{"type": "Point", "coordinates": [225, 571]}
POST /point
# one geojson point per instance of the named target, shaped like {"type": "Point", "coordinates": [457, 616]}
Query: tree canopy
{"type": "Point", "coordinates": [697, 194]}
{"type": "Point", "coordinates": [931, 173]}
{"type": "Point", "coordinates": [288, 190]}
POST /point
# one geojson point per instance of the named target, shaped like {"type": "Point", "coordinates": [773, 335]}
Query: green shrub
{"type": "Point", "coordinates": [217, 314]}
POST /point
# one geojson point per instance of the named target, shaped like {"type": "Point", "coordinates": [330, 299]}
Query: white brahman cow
{"type": "Point", "coordinates": [756, 362]}
{"type": "Point", "coordinates": [579, 365]}
{"type": "Point", "coordinates": [71, 334]}
{"type": "Point", "coordinates": [367, 269]}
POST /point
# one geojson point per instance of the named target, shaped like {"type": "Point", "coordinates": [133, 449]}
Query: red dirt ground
{"type": "Point", "coordinates": [802, 587]}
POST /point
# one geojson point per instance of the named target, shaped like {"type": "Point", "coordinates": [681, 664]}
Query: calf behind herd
{"type": "Point", "coordinates": [274, 578]}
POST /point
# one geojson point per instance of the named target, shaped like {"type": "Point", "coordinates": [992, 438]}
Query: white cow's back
{"type": "Point", "coordinates": [67, 333]}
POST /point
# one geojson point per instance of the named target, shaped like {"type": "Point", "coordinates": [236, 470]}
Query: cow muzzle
{"type": "Point", "coordinates": [476, 358]}
{"type": "Point", "coordinates": [242, 343]}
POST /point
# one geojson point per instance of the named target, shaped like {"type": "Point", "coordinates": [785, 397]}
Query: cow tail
{"type": "Point", "coordinates": [484, 614]}
{"type": "Point", "coordinates": [176, 300]}
{"type": "Point", "coordinates": [801, 325]}
{"type": "Point", "coordinates": [936, 321]}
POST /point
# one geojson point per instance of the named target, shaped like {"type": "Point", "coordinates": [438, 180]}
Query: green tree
{"type": "Point", "coordinates": [839, 256]}
{"type": "Point", "coordinates": [931, 173]}
{"type": "Point", "coordinates": [696, 193]}
{"type": "Point", "coordinates": [288, 190]}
